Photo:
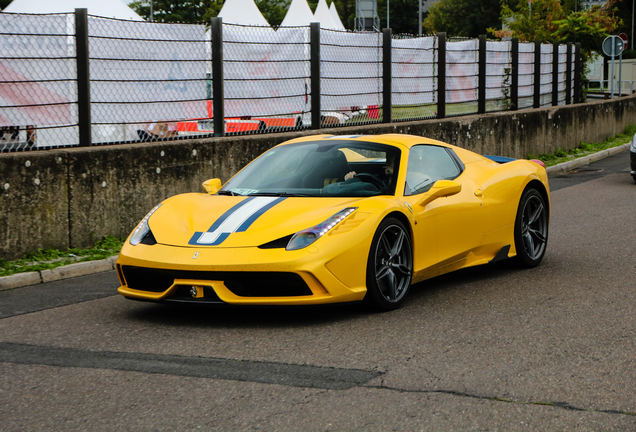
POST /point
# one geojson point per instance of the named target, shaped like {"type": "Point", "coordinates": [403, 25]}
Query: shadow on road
{"type": "Point", "coordinates": [189, 315]}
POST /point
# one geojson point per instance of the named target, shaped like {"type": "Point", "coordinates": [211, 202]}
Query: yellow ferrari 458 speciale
{"type": "Point", "coordinates": [332, 219]}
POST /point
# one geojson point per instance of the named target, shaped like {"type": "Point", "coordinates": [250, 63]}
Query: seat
{"type": "Point", "coordinates": [329, 167]}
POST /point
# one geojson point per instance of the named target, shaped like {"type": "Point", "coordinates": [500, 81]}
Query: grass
{"type": "Point", "coordinates": [562, 155]}
{"type": "Point", "coordinates": [44, 259]}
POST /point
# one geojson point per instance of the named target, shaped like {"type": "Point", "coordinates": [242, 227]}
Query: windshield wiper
{"type": "Point", "coordinates": [228, 192]}
{"type": "Point", "coordinates": [278, 194]}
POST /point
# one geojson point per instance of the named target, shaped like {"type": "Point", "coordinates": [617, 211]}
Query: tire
{"type": "Point", "coordinates": [634, 177]}
{"type": "Point", "coordinates": [390, 266]}
{"type": "Point", "coordinates": [531, 229]}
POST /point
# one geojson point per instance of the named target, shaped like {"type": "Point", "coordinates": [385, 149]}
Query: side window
{"type": "Point", "coordinates": [427, 164]}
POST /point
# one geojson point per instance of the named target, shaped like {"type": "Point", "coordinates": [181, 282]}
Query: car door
{"type": "Point", "coordinates": [450, 227]}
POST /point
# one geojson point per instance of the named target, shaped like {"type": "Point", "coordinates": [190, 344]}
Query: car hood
{"type": "Point", "coordinates": [202, 220]}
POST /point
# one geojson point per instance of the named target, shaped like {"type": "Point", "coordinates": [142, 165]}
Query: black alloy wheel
{"type": "Point", "coordinates": [531, 228]}
{"type": "Point", "coordinates": [390, 266]}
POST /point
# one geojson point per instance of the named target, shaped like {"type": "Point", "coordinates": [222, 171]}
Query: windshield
{"type": "Point", "coordinates": [320, 168]}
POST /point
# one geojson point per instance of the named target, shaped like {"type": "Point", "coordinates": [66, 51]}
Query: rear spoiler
{"type": "Point", "coordinates": [503, 159]}
{"type": "Point", "coordinates": [500, 159]}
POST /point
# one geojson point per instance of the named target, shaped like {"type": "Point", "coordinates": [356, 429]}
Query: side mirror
{"type": "Point", "coordinates": [441, 188]}
{"type": "Point", "coordinates": [212, 186]}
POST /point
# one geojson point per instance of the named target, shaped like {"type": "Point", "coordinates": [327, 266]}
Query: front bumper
{"type": "Point", "coordinates": [238, 276]}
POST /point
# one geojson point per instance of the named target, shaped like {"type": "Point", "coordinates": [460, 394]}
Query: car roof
{"type": "Point", "coordinates": [398, 140]}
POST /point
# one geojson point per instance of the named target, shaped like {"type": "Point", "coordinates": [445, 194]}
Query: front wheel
{"type": "Point", "coordinates": [531, 228]}
{"type": "Point", "coordinates": [390, 266]}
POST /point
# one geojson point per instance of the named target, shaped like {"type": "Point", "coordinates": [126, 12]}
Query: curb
{"type": "Point", "coordinates": [59, 273]}
{"type": "Point", "coordinates": [573, 164]}
{"type": "Point", "coordinates": [90, 267]}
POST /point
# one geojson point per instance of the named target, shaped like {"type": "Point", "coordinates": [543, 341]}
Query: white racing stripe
{"type": "Point", "coordinates": [236, 219]}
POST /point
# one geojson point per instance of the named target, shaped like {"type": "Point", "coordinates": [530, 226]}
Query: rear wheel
{"type": "Point", "coordinates": [390, 266]}
{"type": "Point", "coordinates": [531, 228]}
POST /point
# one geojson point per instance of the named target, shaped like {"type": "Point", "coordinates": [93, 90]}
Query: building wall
{"type": "Point", "coordinates": [75, 196]}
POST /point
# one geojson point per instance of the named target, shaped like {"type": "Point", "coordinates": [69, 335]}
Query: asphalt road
{"type": "Point", "coordinates": [491, 348]}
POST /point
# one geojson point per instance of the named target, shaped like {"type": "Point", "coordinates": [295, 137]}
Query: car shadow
{"type": "Point", "coordinates": [189, 315]}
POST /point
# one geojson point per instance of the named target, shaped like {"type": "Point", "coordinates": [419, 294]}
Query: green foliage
{"type": "Point", "coordinates": [584, 149]}
{"type": "Point", "coordinates": [174, 10]}
{"type": "Point", "coordinates": [549, 21]}
{"type": "Point", "coordinates": [468, 18]}
{"type": "Point", "coordinates": [403, 16]}
{"type": "Point", "coordinates": [43, 259]}
{"type": "Point", "coordinates": [274, 12]}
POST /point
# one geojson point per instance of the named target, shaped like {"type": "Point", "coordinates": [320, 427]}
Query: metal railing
{"type": "Point", "coordinates": [80, 80]}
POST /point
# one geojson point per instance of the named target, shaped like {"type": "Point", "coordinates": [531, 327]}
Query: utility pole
{"type": "Point", "coordinates": [419, 30]}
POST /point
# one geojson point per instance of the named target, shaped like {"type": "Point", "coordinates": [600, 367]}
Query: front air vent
{"type": "Point", "coordinates": [243, 284]}
{"type": "Point", "coordinates": [280, 243]}
{"type": "Point", "coordinates": [149, 239]}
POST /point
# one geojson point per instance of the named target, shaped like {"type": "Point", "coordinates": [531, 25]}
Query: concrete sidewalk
{"type": "Point", "coordinates": [90, 267]}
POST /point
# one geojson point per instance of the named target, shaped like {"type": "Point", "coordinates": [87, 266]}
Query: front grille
{"type": "Point", "coordinates": [267, 285]}
{"type": "Point", "coordinates": [243, 284]}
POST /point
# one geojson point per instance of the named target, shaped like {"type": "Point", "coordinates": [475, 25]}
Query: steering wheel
{"type": "Point", "coordinates": [371, 178]}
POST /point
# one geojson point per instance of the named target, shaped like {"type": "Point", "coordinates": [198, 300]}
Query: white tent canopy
{"type": "Point", "coordinates": [323, 16]}
{"type": "Point", "coordinates": [106, 8]}
{"type": "Point", "coordinates": [243, 12]}
{"type": "Point", "coordinates": [336, 17]}
{"type": "Point", "coordinates": [299, 14]}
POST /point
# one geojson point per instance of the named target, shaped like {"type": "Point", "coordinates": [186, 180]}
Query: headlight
{"type": "Point", "coordinates": [142, 229]}
{"type": "Point", "coordinates": [633, 147]}
{"type": "Point", "coordinates": [306, 237]}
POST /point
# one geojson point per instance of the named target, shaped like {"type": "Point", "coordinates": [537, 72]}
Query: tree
{"type": "Point", "coordinates": [468, 18]}
{"type": "Point", "coordinates": [175, 10]}
{"type": "Point", "coordinates": [403, 18]}
{"type": "Point", "coordinates": [4, 3]}
{"type": "Point", "coordinates": [548, 21]}
{"type": "Point", "coordinates": [191, 12]}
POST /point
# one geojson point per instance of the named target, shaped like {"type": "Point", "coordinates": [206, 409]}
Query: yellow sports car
{"type": "Point", "coordinates": [332, 219]}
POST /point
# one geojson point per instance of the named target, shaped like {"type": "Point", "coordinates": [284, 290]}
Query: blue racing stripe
{"type": "Point", "coordinates": [195, 239]}
{"type": "Point", "coordinates": [221, 239]}
{"type": "Point", "coordinates": [245, 225]}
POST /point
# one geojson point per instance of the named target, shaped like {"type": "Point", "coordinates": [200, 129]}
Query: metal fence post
{"type": "Point", "coordinates": [218, 98]}
{"type": "Point", "coordinates": [316, 114]}
{"type": "Point", "coordinates": [577, 73]}
{"type": "Point", "coordinates": [537, 74]}
{"type": "Point", "coordinates": [555, 74]}
{"type": "Point", "coordinates": [83, 78]}
{"type": "Point", "coordinates": [568, 75]}
{"type": "Point", "coordinates": [386, 76]}
{"type": "Point", "coordinates": [441, 75]}
{"type": "Point", "coordinates": [481, 86]}
{"type": "Point", "coordinates": [514, 81]}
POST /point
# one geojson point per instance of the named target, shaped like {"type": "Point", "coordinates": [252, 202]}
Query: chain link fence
{"type": "Point", "coordinates": [266, 78]}
{"type": "Point", "coordinates": [414, 75]}
{"type": "Point", "coordinates": [38, 87]}
{"type": "Point", "coordinates": [498, 75]}
{"type": "Point", "coordinates": [350, 78]}
{"type": "Point", "coordinates": [155, 81]}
